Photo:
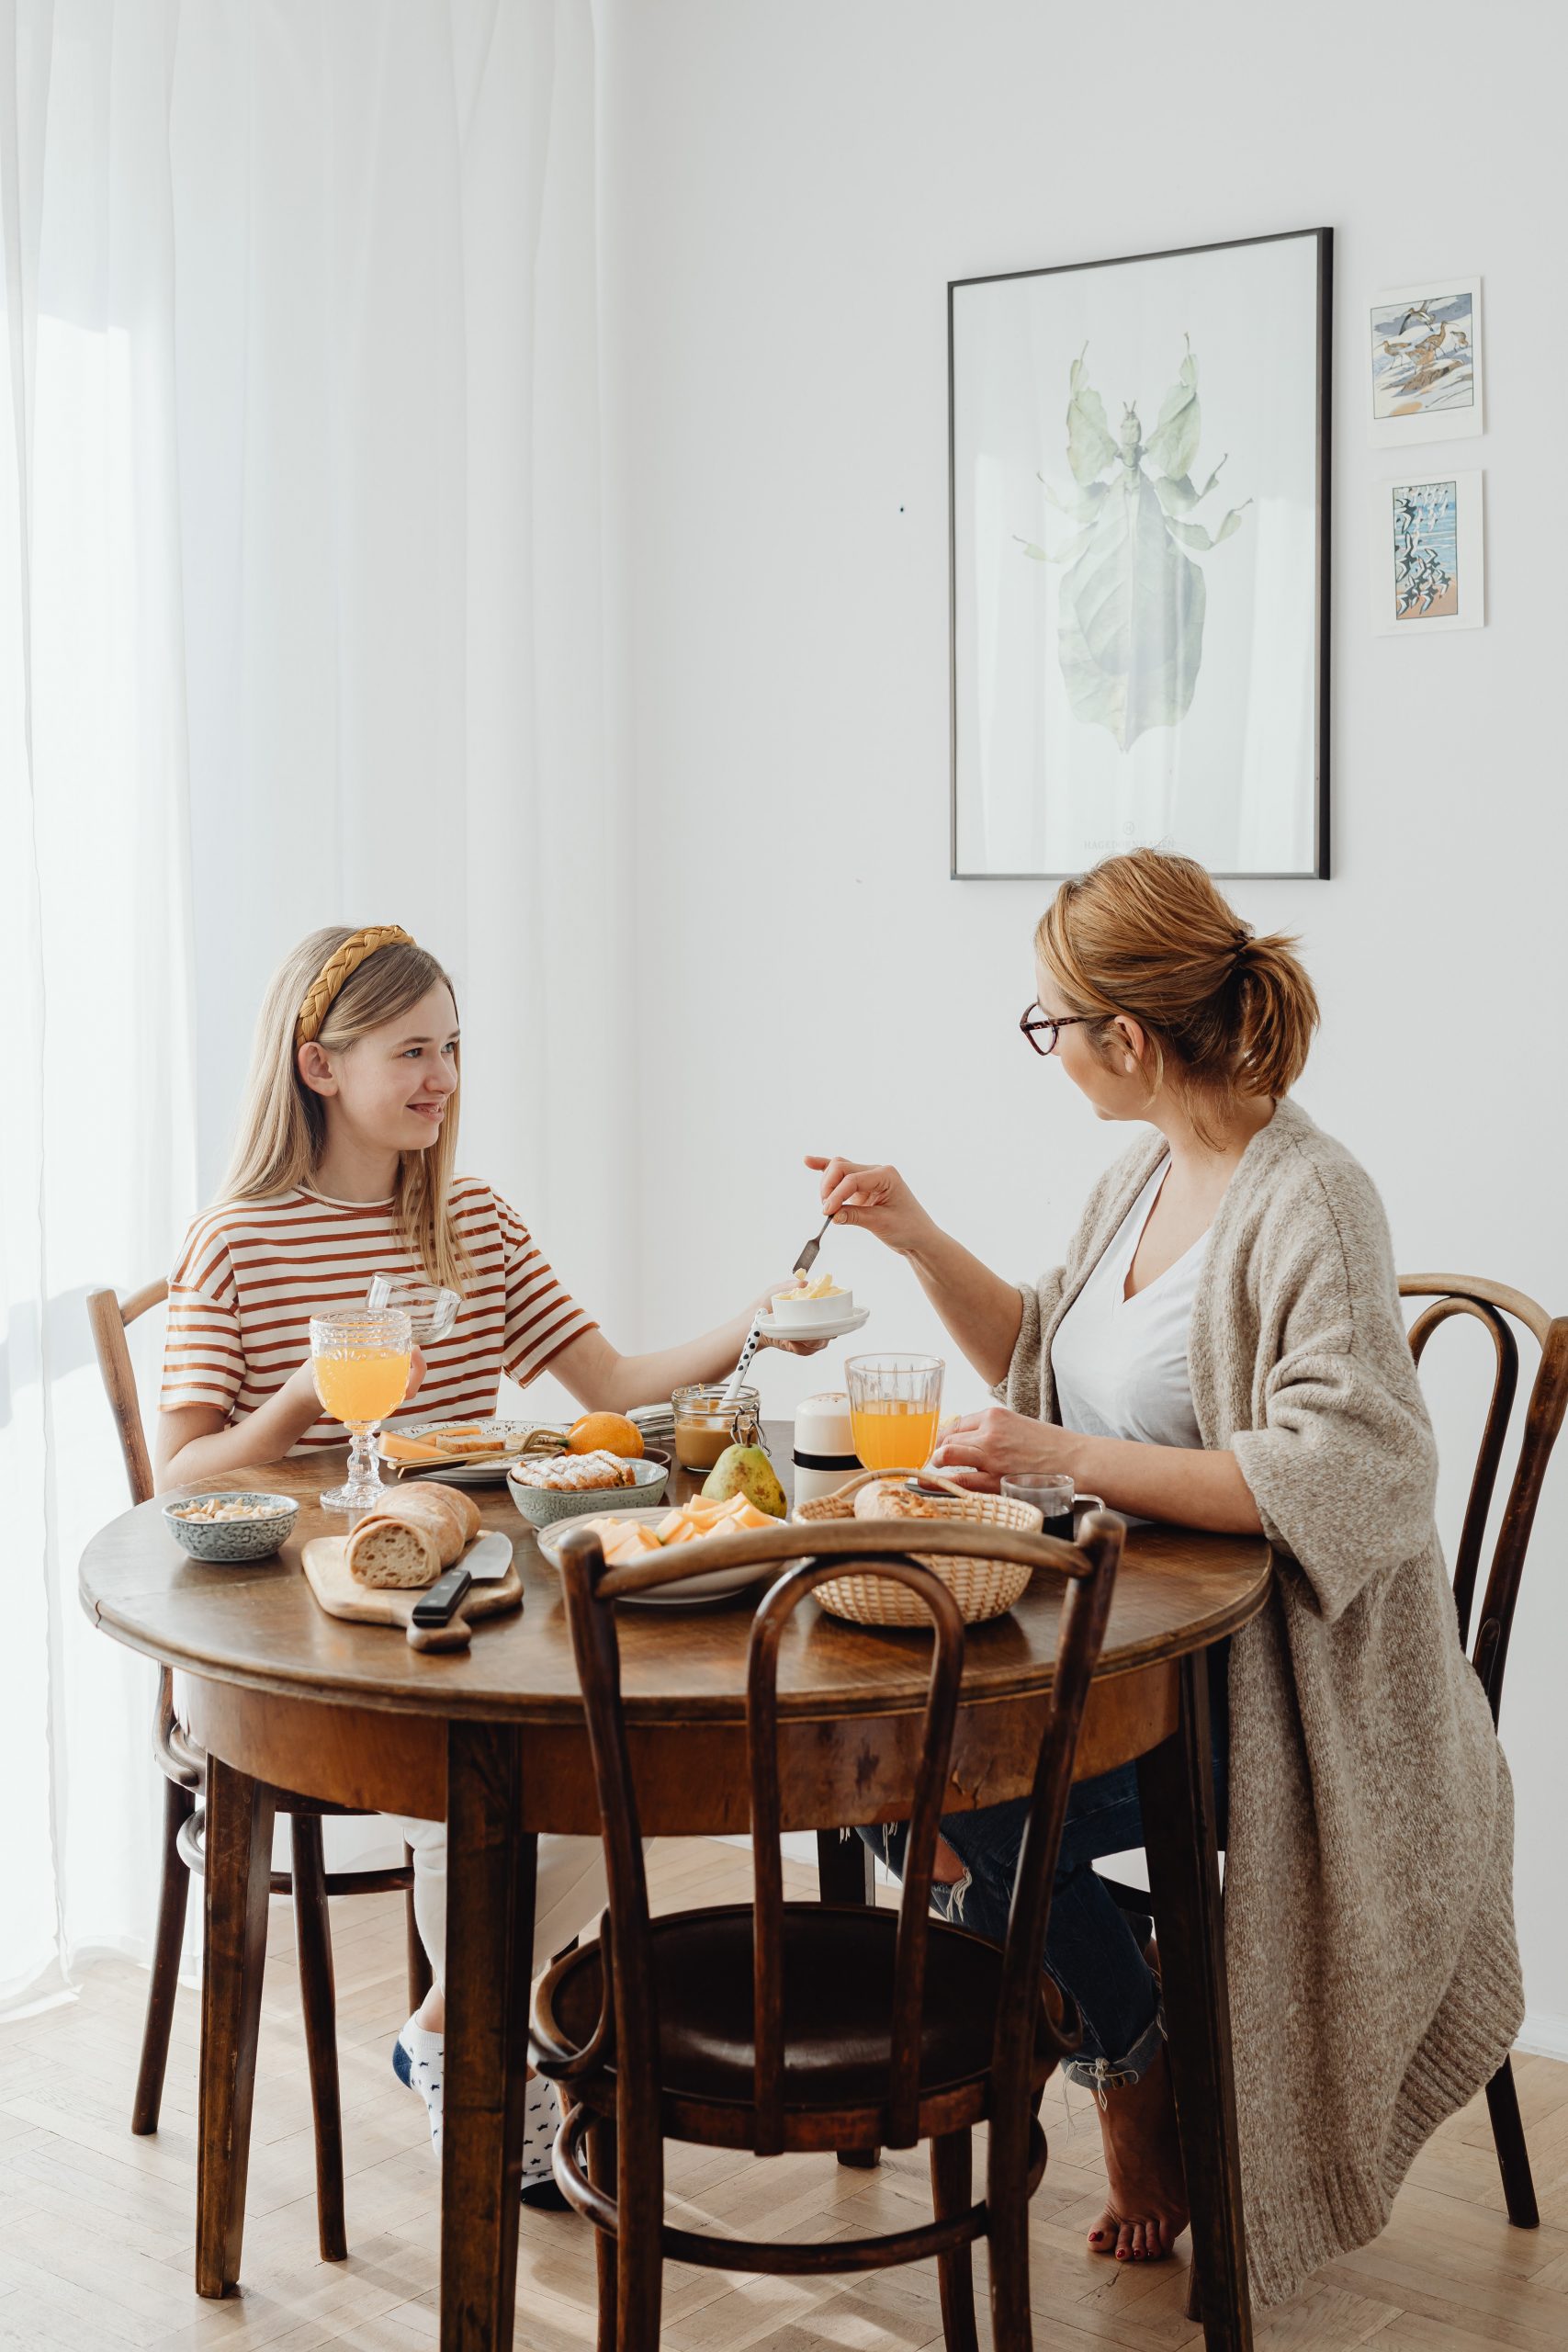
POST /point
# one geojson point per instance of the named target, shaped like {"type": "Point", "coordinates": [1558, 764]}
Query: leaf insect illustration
{"type": "Point", "coordinates": [1129, 633]}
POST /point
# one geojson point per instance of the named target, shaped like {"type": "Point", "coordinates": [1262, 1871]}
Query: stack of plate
{"type": "Point", "coordinates": [657, 1423]}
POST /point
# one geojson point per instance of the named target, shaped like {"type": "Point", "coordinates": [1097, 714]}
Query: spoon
{"type": "Point", "coordinates": [808, 1256]}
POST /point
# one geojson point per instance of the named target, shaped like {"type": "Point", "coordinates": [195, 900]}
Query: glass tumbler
{"type": "Point", "coordinates": [431, 1310]}
{"type": "Point", "coordinates": [895, 1408]}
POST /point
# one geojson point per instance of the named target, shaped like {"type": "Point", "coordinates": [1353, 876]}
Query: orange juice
{"type": "Point", "coordinates": [891, 1433]}
{"type": "Point", "coordinates": [359, 1389]}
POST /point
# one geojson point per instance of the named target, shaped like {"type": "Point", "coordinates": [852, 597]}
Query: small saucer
{"type": "Point", "coordinates": [770, 1328]}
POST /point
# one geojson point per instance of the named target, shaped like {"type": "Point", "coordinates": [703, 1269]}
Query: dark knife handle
{"type": "Point", "coordinates": [445, 1597]}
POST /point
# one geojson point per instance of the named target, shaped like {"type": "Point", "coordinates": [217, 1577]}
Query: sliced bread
{"type": "Point", "coordinates": [392, 1551]}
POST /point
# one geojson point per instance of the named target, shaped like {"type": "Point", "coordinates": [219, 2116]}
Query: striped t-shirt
{"type": "Point", "coordinates": [252, 1274]}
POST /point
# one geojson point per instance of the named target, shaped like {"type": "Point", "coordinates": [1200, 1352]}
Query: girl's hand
{"type": "Point", "coordinates": [857, 1192]}
{"type": "Point", "coordinates": [980, 1449]}
{"type": "Point", "coordinates": [416, 1374]}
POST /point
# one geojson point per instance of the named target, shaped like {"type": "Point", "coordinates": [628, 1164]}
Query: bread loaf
{"type": "Point", "coordinates": [893, 1498]}
{"type": "Point", "coordinates": [385, 1551]}
{"type": "Point", "coordinates": [462, 1504]}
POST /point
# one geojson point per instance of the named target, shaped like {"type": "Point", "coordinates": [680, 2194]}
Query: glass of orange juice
{"type": "Point", "coordinates": [894, 1406]}
{"type": "Point", "coordinates": [361, 1360]}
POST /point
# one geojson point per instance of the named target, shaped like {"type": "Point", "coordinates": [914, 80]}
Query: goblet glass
{"type": "Point", "coordinates": [361, 1362]}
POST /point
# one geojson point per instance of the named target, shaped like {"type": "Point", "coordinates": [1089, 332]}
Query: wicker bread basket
{"type": "Point", "coordinates": [982, 1588]}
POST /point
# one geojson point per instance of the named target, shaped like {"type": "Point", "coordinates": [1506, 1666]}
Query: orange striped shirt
{"type": "Point", "coordinates": [252, 1274]}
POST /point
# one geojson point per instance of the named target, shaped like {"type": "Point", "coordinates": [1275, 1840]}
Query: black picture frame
{"type": "Point", "coordinates": [1316, 866]}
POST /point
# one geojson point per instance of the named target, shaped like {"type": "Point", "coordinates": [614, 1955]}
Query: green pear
{"type": "Point", "coordinates": [745, 1470]}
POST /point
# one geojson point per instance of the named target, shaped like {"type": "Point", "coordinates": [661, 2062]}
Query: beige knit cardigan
{"type": "Point", "coordinates": [1375, 1976]}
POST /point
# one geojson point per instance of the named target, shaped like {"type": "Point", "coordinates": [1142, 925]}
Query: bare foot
{"type": "Point", "coordinates": [1145, 2207]}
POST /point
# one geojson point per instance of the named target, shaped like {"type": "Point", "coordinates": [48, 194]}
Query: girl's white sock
{"type": "Point", "coordinates": [418, 2061]}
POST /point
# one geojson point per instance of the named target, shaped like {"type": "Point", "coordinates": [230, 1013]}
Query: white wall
{"type": "Point", "coordinates": [788, 191]}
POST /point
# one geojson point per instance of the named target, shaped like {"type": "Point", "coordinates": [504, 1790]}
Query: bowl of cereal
{"type": "Point", "coordinates": [230, 1527]}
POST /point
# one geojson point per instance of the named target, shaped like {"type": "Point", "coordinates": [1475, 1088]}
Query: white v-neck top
{"type": "Point", "coordinates": [1119, 1363]}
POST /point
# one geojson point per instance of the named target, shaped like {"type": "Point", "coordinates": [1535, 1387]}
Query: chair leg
{"type": "Point", "coordinates": [952, 2192]}
{"type": "Point", "coordinates": [845, 1874]}
{"type": "Point", "coordinates": [602, 2172]}
{"type": "Point", "coordinates": [1513, 2156]}
{"type": "Point", "coordinates": [419, 1977]}
{"type": "Point", "coordinates": [173, 1888]}
{"type": "Point", "coordinates": [1007, 2198]}
{"type": "Point", "coordinates": [313, 1945]}
{"type": "Point", "coordinates": [639, 2251]}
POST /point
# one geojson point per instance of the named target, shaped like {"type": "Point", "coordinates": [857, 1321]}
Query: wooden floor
{"type": "Point", "coordinates": [95, 2228]}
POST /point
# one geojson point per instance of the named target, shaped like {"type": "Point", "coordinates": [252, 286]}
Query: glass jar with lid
{"type": "Point", "coordinates": [705, 1422]}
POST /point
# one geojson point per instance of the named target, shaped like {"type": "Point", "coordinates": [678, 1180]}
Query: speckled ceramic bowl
{"type": "Point", "coordinates": [542, 1505]}
{"type": "Point", "coordinates": [227, 1541]}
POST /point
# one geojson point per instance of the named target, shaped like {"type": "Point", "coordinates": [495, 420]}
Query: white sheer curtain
{"type": "Point", "coordinates": [301, 620]}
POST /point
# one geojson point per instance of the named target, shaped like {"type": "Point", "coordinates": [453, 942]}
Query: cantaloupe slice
{"type": "Point", "coordinates": [409, 1448]}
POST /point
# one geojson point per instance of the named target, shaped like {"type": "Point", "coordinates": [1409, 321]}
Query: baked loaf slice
{"type": "Point", "coordinates": [576, 1473]}
{"type": "Point", "coordinates": [384, 1550]}
{"type": "Point", "coordinates": [444, 1519]}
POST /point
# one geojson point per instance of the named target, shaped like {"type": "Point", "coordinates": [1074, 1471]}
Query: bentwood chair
{"type": "Point", "coordinates": [1497, 1308]}
{"type": "Point", "coordinates": [812, 2026]}
{"type": "Point", "coordinates": [184, 1767]}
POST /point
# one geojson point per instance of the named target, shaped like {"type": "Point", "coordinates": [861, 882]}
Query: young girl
{"type": "Point", "coordinates": [344, 1168]}
{"type": "Point", "coordinates": [1223, 1347]}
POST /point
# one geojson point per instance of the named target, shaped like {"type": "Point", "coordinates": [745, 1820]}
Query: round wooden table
{"type": "Point", "coordinates": [492, 1738]}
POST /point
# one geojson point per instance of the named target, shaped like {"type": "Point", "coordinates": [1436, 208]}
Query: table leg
{"type": "Point", "coordinates": [490, 1957]}
{"type": "Point", "coordinates": [238, 1846]}
{"type": "Point", "coordinates": [1176, 1791]}
{"type": "Point", "coordinates": [846, 1873]}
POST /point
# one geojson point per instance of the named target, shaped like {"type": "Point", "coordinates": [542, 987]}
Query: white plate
{"type": "Point", "coordinates": [772, 1329]}
{"type": "Point", "coordinates": [691, 1589]}
{"type": "Point", "coordinates": [461, 1473]}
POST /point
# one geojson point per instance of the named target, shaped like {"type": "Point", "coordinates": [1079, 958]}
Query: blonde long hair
{"type": "Point", "coordinates": [283, 1125]}
{"type": "Point", "coordinates": [1148, 935]}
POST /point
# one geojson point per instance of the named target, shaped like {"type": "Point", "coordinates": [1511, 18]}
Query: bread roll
{"type": "Point", "coordinates": [385, 1551]}
{"type": "Point", "coordinates": [430, 1509]}
{"type": "Point", "coordinates": [893, 1498]}
{"type": "Point", "coordinates": [463, 1503]}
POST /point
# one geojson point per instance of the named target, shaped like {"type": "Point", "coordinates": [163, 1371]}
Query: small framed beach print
{"type": "Point", "coordinates": [1427, 553]}
{"type": "Point", "coordinates": [1424, 362]}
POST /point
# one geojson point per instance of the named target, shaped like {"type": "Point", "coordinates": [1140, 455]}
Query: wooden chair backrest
{"type": "Point", "coordinates": [876, 1547]}
{"type": "Point", "coordinates": [1498, 1309]}
{"type": "Point", "coordinates": [111, 1316]}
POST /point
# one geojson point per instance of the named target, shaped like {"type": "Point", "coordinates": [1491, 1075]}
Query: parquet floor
{"type": "Point", "coordinates": [95, 2228]}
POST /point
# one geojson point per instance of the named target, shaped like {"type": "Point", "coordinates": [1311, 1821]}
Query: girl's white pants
{"type": "Point", "coordinates": [570, 1894]}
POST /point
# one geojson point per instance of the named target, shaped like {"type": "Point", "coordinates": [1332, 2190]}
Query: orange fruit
{"type": "Point", "coordinates": [607, 1433]}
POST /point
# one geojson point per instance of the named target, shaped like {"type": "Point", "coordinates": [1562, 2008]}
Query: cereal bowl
{"type": "Point", "coordinates": [254, 1525]}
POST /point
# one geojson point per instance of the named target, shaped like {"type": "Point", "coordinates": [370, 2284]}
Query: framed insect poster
{"type": "Point", "coordinates": [1424, 380]}
{"type": "Point", "coordinates": [1139, 456]}
{"type": "Point", "coordinates": [1428, 555]}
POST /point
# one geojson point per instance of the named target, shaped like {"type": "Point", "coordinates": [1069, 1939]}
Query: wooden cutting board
{"type": "Point", "coordinates": [341, 1595]}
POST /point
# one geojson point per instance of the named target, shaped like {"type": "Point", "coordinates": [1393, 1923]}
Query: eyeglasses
{"type": "Point", "coordinates": [1043, 1032]}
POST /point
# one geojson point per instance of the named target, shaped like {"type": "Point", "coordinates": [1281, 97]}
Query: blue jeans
{"type": "Point", "coordinates": [1093, 1949]}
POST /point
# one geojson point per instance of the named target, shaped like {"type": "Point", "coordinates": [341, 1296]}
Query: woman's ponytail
{"type": "Point", "coordinates": [1276, 1014]}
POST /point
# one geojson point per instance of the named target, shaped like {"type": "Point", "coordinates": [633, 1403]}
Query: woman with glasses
{"type": "Point", "coordinates": [1223, 1347]}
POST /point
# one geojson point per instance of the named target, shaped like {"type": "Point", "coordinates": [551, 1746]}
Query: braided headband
{"type": "Point", "coordinates": [340, 964]}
